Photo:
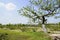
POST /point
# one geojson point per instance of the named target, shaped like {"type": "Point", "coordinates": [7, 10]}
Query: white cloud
{"type": "Point", "coordinates": [10, 6]}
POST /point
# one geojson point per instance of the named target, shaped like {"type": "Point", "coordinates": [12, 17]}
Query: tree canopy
{"type": "Point", "coordinates": [41, 8]}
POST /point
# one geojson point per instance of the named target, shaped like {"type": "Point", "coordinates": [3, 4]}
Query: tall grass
{"type": "Point", "coordinates": [12, 35]}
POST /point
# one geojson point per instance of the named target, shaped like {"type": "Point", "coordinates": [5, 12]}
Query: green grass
{"type": "Point", "coordinates": [14, 32]}
{"type": "Point", "coordinates": [12, 35]}
{"type": "Point", "coordinates": [53, 27]}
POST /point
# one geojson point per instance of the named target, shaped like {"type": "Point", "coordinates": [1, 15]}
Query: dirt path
{"type": "Point", "coordinates": [55, 36]}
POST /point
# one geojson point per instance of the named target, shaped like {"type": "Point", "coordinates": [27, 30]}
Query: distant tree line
{"type": "Point", "coordinates": [18, 26]}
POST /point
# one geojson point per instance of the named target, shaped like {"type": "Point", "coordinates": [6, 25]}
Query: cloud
{"type": "Point", "coordinates": [1, 4]}
{"type": "Point", "coordinates": [8, 6]}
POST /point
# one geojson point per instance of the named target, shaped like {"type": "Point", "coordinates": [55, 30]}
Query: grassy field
{"type": "Point", "coordinates": [26, 32]}
{"type": "Point", "coordinates": [14, 35]}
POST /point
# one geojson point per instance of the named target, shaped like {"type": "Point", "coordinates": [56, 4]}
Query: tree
{"type": "Point", "coordinates": [38, 10]}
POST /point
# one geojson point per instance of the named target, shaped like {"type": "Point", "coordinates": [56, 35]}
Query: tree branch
{"type": "Point", "coordinates": [51, 12]}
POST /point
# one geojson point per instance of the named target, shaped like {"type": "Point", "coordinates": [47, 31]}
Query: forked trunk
{"type": "Point", "coordinates": [43, 24]}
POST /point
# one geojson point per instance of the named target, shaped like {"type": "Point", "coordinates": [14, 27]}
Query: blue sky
{"type": "Point", "coordinates": [9, 14]}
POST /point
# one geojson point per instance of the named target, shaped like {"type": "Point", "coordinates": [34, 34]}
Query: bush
{"type": "Point", "coordinates": [3, 36]}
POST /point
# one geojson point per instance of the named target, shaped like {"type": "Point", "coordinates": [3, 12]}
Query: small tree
{"type": "Point", "coordinates": [38, 10]}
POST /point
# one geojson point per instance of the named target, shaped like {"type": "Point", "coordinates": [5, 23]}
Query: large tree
{"type": "Point", "coordinates": [38, 10]}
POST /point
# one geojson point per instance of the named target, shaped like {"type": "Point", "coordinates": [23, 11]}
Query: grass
{"type": "Point", "coordinates": [13, 35]}
{"type": "Point", "coordinates": [53, 27]}
{"type": "Point", "coordinates": [14, 32]}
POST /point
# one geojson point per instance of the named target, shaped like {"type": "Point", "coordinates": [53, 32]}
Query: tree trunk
{"type": "Point", "coordinates": [43, 24]}
{"type": "Point", "coordinates": [44, 29]}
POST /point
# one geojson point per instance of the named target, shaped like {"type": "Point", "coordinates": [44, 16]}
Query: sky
{"type": "Point", "coordinates": [9, 13]}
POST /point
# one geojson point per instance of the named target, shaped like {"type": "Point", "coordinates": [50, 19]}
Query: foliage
{"type": "Point", "coordinates": [13, 35]}
{"type": "Point", "coordinates": [4, 36]}
{"type": "Point", "coordinates": [53, 27]}
{"type": "Point", "coordinates": [39, 8]}
{"type": "Point", "coordinates": [30, 28]}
